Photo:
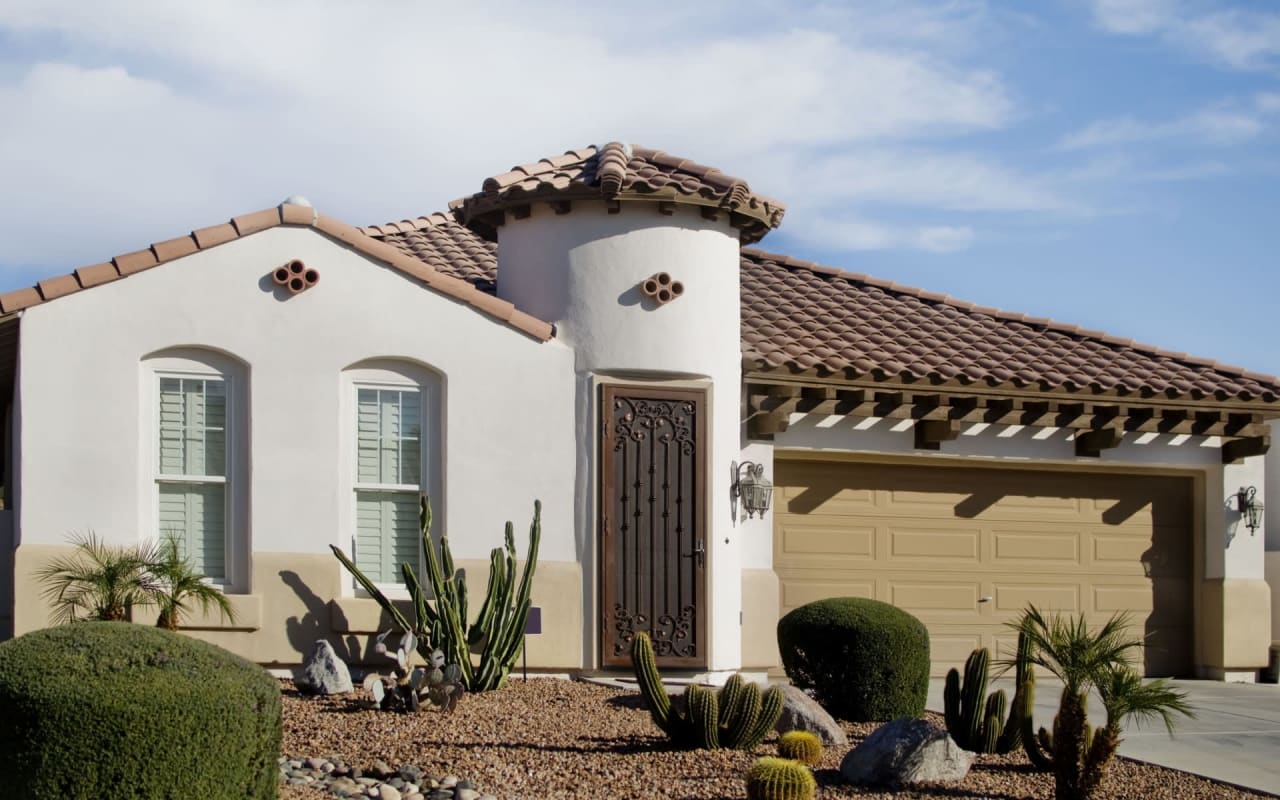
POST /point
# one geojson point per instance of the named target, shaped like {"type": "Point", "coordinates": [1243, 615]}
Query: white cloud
{"type": "Point", "coordinates": [1235, 38]}
{"type": "Point", "coordinates": [148, 118]}
{"type": "Point", "coordinates": [851, 232]}
{"type": "Point", "coordinates": [1216, 126]}
{"type": "Point", "coordinates": [926, 179]}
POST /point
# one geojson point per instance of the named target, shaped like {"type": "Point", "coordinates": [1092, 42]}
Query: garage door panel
{"type": "Point", "coordinates": [795, 594]}
{"type": "Point", "coordinates": [935, 540]}
{"type": "Point", "coordinates": [932, 545]}
{"type": "Point", "coordinates": [950, 597]}
{"type": "Point", "coordinates": [819, 542]}
{"type": "Point", "coordinates": [1019, 545]}
{"type": "Point", "coordinates": [1012, 598]}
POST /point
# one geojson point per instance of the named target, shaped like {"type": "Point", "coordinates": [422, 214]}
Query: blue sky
{"type": "Point", "coordinates": [1113, 164]}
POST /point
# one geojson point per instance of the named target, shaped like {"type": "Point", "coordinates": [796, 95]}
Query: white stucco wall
{"type": "Point", "coordinates": [507, 420]}
{"type": "Point", "coordinates": [582, 271]}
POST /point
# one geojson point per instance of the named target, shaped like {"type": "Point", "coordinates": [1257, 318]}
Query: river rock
{"type": "Point", "coordinates": [904, 752]}
{"type": "Point", "coordinates": [800, 712]}
{"type": "Point", "coordinates": [323, 672]}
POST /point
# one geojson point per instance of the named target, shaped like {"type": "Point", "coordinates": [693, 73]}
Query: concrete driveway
{"type": "Point", "coordinates": [1235, 736]}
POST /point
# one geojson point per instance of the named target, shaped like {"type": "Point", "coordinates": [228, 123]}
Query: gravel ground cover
{"type": "Point", "coordinates": [549, 738]}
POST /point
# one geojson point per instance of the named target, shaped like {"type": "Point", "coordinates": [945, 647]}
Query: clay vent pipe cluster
{"type": "Point", "coordinates": [661, 288]}
{"type": "Point", "coordinates": [296, 277]}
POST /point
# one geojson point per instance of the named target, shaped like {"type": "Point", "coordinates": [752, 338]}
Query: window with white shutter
{"type": "Point", "coordinates": [191, 471]}
{"type": "Point", "coordinates": [388, 480]}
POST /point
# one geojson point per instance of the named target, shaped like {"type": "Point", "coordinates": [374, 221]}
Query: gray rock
{"type": "Point", "coordinates": [904, 752]}
{"type": "Point", "coordinates": [323, 672]}
{"type": "Point", "coordinates": [800, 712]}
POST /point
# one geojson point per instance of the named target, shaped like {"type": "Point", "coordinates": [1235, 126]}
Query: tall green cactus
{"type": "Point", "coordinates": [977, 721]}
{"type": "Point", "coordinates": [738, 717]}
{"type": "Point", "coordinates": [498, 631]}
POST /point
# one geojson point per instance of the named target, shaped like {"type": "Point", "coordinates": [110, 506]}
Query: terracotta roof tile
{"type": "Point", "coordinates": [871, 327]}
{"type": "Point", "coordinates": [617, 171]}
{"type": "Point", "coordinates": [137, 261]}
{"type": "Point", "coordinates": [52, 288]}
{"type": "Point", "coordinates": [457, 286]}
{"type": "Point", "coordinates": [95, 274]}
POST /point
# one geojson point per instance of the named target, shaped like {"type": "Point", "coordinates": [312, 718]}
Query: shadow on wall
{"type": "Point", "coordinates": [316, 624]}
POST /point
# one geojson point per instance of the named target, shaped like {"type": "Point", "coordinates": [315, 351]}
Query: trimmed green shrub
{"type": "Point", "coordinates": [113, 709]}
{"type": "Point", "coordinates": [865, 660]}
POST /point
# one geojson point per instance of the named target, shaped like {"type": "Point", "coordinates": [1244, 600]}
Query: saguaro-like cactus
{"type": "Point", "coordinates": [975, 720]}
{"type": "Point", "coordinates": [498, 631]}
{"type": "Point", "coordinates": [739, 716]}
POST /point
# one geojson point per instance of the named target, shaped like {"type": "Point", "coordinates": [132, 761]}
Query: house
{"type": "Point", "coordinates": [598, 331]}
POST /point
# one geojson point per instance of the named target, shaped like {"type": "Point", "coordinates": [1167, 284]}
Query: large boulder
{"type": "Point", "coordinates": [323, 672]}
{"type": "Point", "coordinates": [905, 752]}
{"type": "Point", "coordinates": [800, 712]}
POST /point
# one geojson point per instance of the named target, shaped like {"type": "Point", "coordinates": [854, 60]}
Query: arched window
{"type": "Point", "coordinates": [195, 421]}
{"type": "Point", "coordinates": [394, 448]}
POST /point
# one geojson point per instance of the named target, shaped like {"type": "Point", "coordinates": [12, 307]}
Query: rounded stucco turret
{"type": "Point", "coordinates": [582, 235]}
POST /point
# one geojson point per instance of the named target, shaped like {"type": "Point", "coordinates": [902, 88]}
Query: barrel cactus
{"type": "Point", "coordinates": [802, 746]}
{"type": "Point", "coordinates": [772, 778]}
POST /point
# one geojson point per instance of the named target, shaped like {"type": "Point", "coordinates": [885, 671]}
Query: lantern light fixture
{"type": "Point", "coordinates": [751, 488]}
{"type": "Point", "coordinates": [1250, 508]}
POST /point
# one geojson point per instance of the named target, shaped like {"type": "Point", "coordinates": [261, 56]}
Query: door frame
{"type": "Point", "coordinates": [701, 396]}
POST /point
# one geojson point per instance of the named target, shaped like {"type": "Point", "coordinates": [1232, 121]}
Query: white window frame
{"type": "Point", "coordinates": [199, 364]}
{"type": "Point", "coordinates": [392, 375]}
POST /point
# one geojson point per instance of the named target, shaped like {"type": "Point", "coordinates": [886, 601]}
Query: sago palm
{"type": "Point", "coordinates": [1100, 660]}
{"type": "Point", "coordinates": [98, 581]}
{"type": "Point", "coordinates": [178, 585]}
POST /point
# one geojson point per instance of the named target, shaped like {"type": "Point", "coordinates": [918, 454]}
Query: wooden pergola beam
{"type": "Point", "coordinates": [1236, 450]}
{"type": "Point", "coordinates": [1091, 443]}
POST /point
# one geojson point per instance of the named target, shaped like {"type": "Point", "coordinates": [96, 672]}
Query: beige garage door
{"type": "Point", "coordinates": [936, 541]}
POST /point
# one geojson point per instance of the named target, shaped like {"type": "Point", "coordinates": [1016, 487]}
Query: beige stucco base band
{"type": "Point", "coordinates": [760, 604]}
{"type": "Point", "coordinates": [1236, 626]}
{"type": "Point", "coordinates": [295, 600]}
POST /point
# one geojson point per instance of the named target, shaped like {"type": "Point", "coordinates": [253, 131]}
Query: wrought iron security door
{"type": "Point", "coordinates": [652, 522]}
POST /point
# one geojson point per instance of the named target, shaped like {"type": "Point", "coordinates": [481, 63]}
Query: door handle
{"type": "Point", "coordinates": [698, 551]}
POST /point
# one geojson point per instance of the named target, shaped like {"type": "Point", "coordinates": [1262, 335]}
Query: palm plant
{"type": "Point", "coordinates": [1086, 660]}
{"type": "Point", "coordinates": [98, 581]}
{"type": "Point", "coordinates": [177, 585]}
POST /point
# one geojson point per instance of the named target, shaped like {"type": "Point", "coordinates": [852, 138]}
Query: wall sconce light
{"type": "Point", "coordinates": [1249, 507]}
{"type": "Point", "coordinates": [751, 487]}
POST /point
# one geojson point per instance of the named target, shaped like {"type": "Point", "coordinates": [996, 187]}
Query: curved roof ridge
{"type": "Point", "coordinates": [620, 171]}
{"type": "Point", "coordinates": [1270, 390]}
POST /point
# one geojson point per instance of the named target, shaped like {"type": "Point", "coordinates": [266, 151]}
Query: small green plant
{"type": "Point", "coordinates": [440, 611]}
{"type": "Point", "coordinates": [772, 778]}
{"type": "Point", "coordinates": [177, 584]}
{"type": "Point", "coordinates": [114, 709]}
{"type": "Point", "coordinates": [98, 581]}
{"type": "Point", "coordinates": [865, 660]}
{"type": "Point", "coordinates": [981, 727]}
{"type": "Point", "coordinates": [738, 717]}
{"type": "Point", "coordinates": [437, 684]}
{"type": "Point", "coordinates": [802, 746]}
{"type": "Point", "coordinates": [1087, 660]}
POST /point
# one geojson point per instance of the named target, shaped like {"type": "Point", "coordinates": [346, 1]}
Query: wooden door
{"type": "Point", "coordinates": [653, 524]}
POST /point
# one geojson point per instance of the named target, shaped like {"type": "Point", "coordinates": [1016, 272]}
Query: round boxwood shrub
{"type": "Point", "coordinates": [865, 660]}
{"type": "Point", "coordinates": [112, 709]}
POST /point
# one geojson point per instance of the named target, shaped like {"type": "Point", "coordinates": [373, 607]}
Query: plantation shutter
{"type": "Point", "coordinates": [386, 534]}
{"type": "Point", "coordinates": [388, 478]}
{"type": "Point", "coordinates": [192, 463]}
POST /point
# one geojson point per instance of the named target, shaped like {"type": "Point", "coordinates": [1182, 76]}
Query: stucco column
{"type": "Point", "coordinates": [1235, 598]}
